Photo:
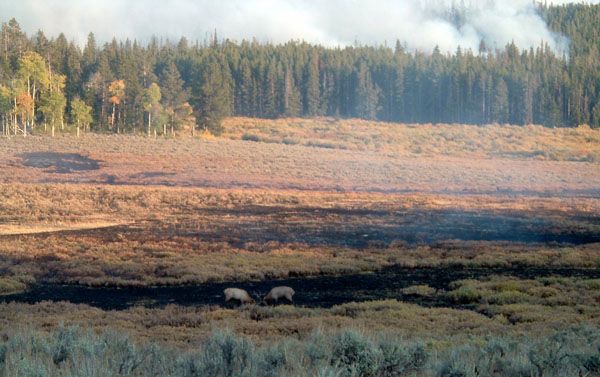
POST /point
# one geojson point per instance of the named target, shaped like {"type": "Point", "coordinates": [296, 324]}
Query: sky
{"type": "Point", "coordinates": [416, 23]}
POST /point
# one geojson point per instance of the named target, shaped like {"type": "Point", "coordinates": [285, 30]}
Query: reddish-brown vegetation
{"type": "Point", "coordinates": [183, 235]}
{"type": "Point", "coordinates": [221, 163]}
{"type": "Point", "coordinates": [132, 211]}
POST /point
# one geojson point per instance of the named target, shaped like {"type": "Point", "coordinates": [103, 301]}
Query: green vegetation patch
{"type": "Point", "coordinates": [10, 286]}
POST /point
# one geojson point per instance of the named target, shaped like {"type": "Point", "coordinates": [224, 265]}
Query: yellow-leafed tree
{"type": "Point", "coordinates": [116, 90]}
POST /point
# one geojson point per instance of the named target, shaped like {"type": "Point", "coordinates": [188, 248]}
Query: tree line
{"type": "Point", "coordinates": [162, 87]}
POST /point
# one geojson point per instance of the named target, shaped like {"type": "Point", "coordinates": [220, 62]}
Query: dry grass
{"type": "Point", "coordinates": [188, 325]}
{"type": "Point", "coordinates": [14, 230]}
{"type": "Point", "coordinates": [296, 207]}
{"type": "Point", "coordinates": [223, 163]}
{"type": "Point", "coordinates": [185, 235]}
{"type": "Point", "coordinates": [531, 142]}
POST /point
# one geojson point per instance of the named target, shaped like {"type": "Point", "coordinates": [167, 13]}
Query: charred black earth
{"type": "Point", "coordinates": [317, 292]}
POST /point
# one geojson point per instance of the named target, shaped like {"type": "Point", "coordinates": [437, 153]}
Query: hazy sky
{"type": "Point", "coordinates": [330, 22]}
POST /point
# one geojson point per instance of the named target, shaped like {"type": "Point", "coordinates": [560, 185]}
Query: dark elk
{"type": "Point", "coordinates": [238, 295]}
{"type": "Point", "coordinates": [279, 293]}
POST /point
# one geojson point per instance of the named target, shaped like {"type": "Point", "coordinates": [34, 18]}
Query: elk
{"type": "Point", "coordinates": [239, 295]}
{"type": "Point", "coordinates": [279, 293]}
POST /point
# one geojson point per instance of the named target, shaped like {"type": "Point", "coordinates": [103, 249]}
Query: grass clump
{"type": "Point", "coordinates": [11, 285]}
{"type": "Point", "coordinates": [419, 290]}
{"type": "Point", "coordinates": [465, 292]}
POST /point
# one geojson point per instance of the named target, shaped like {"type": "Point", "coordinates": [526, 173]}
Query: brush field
{"type": "Point", "coordinates": [445, 236]}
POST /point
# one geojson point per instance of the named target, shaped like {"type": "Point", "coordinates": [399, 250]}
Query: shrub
{"type": "Point", "coordinates": [465, 295]}
{"type": "Point", "coordinates": [251, 137]}
{"type": "Point", "coordinates": [10, 286]}
{"type": "Point", "coordinates": [228, 356]}
{"type": "Point", "coordinates": [508, 297]}
{"type": "Point", "coordinates": [65, 342]}
{"type": "Point", "coordinates": [398, 359]}
{"type": "Point", "coordinates": [354, 354]}
{"type": "Point", "coordinates": [71, 352]}
{"type": "Point", "coordinates": [314, 350]}
{"type": "Point", "coordinates": [419, 290]}
{"type": "Point", "coordinates": [273, 360]}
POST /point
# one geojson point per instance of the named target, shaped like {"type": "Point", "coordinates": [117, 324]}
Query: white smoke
{"type": "Point", "coordinates": [419, 24]}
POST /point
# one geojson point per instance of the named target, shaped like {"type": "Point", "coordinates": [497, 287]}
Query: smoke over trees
{"type": "Point", "coordinates": [202, 83]}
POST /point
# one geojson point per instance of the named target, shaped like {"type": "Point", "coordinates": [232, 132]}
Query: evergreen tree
{"type": "Point", "coordinates": [173, 92]}
{"type": "Point", "coordinates": [367, 94]}
{"type": "Point", "coordinates": [312, 100]}
{"type": "Point", "coordinates": [214, 100]}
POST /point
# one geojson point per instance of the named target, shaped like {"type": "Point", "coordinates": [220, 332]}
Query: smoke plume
{"type": "Point", "coordinates": [418, 24]}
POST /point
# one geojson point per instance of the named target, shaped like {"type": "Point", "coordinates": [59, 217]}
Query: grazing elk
{"type": "Point", "coordinates": [279, 293]}
{"type": "Point", "coordinates": [238, 295]}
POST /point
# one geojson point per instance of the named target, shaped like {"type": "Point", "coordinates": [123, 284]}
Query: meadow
{"type": "Point", "coordinates": [131, 235]}
{"type": "Point", "coordinates": [503, 160]}
{"type": "Point", "coordinates": [492, 141]}
{"type": "Point", "coordinates": [476, 253]}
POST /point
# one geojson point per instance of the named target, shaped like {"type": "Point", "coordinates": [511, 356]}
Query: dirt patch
{"type": "Point", "coordinates": [61, 163]}
{"type": "Point", "coordinates": [22, 229]}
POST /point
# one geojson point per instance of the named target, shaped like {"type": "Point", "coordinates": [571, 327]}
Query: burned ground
{"type": "Point", "coordinates": [145, 234]}
{"type": "Point", "coordinates": [314, 292]}
{"type": "Point", "coordinates": [170, 236]}
{"type": "Point", "coordinates": [353, 228]}
{"type": "Point", "coordinates": [59, 163]}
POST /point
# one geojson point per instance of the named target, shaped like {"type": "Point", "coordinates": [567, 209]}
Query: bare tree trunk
{"type": "Point", "coordinates": [164, 130]}
{"type": "Point", "coordinates": [149, 122]}
{"type": "Point", "coordinates": [33, 107]}
{"type": "Point", "coordinates": [103, 110]}
{"type": "Point", "coordinates": [15, 118]}
{"type": "Point", "coordinates": [77, 129]}
{"type": "Point", "coordinates": [112, 119]}
{"type": "Point", "coordinates": [32, 99]}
